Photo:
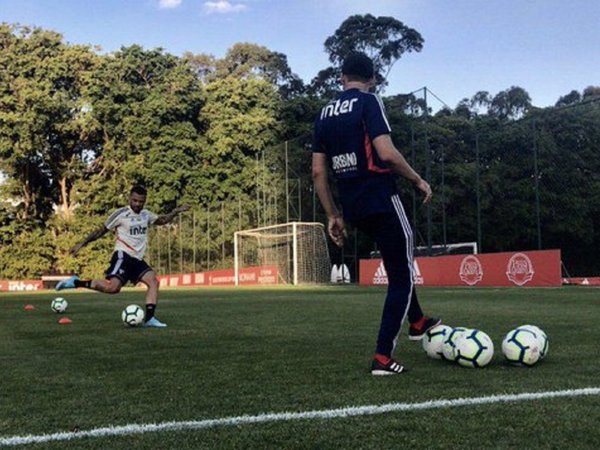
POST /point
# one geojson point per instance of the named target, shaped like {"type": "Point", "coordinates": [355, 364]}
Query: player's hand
{"type": "Point", "coordinates": [336, 230]}
{"type": "Point", "coordinates": [424, 187]}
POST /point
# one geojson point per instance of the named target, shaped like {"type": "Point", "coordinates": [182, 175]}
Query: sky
{"type": "Point", "coordinates": [547, 47]}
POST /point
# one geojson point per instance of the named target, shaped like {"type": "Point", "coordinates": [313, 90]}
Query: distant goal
{"type": "Point", "coordinates": [298, 250]}
{"type": "Point", "coordinates": [460, 248]}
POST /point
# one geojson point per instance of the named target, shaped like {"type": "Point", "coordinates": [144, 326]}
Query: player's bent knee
{"type": "Point", "coordinates": [152, 282]}
{"type": "Point", "coordinates": [112, 288]}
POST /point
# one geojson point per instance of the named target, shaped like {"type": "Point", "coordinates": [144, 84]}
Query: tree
{"type": "Point", "coordinates": [384, 39]}
{"type": "Point", "coordinates": [591, 91]}
{"type": "Point", "coordinates": [569, 99]}
{"type": "Point", "coordinates": [146, 104]}
{"type": "Point", "coordinates": [512, 103]}
{"type": "Point", "coordinates": [45, 128]}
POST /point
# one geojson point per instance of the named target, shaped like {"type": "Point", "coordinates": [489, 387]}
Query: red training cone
{"type": "Point", "coordinates": [29, 307]}
{"type": "Point", "coordinates": [65, 321]}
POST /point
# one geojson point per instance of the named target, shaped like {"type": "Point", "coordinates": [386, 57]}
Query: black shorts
{"type": "Point", "coordinates": [126, 268]}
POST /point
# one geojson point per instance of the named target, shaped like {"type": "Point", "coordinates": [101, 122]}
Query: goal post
{"type": "Point", "coordinates": [298, 250]}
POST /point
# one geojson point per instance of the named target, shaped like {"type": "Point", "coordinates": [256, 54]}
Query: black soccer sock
{"type": "Point", "coordinates": [149, 311]}
{"type": "Point", "coordinates": [83, 284]}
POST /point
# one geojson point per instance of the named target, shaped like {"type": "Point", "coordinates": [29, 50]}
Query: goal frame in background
{"type": "Point", "coordinates": [288, 235]}
{"type": "Point", "coordinates": [446, 249]}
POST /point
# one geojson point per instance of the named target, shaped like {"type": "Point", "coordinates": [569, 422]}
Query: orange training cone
{"type": "Point", "coordinates": [65, 321]}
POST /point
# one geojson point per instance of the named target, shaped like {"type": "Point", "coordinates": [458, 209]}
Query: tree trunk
{"type": "Point", "coordinates": [66, 209]}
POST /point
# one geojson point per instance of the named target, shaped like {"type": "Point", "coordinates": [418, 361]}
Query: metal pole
{"type": "Point", "coordinates": [478, 194]}
{"type": "Point", "coordinates": [427, 172]}
{"type": "Point", "coordinates": [444, 198]}
{"type": "Point", "coordinates": [287, 186]}
{"type": "Point", "coordinates": [264, 190]}
{"type": "Point", "coordinates": [169, 248]}
{"type": "Point", "coordinates": [194, 239]}
{"type": "Point", "coordinates": [314, 204]}
{"type": "Point", "coordinates": [295, 252]}
{"type": "Point", "coordinates": [257, 192]}
{"type": "Point", "coordinates": [158, 250]}
{"type": "Point", "coordinates": [537, 186]}
{"type": "Point", "coordinates": [300, 199]}
{"type": "Point", "coordinates": [181, 244]}
{"type": "Point", "coordinates": [236, 265]}
{"type": "Point", "coordinates": [413, 162]}
{"type": "Point", "coordinates": [208, 239]}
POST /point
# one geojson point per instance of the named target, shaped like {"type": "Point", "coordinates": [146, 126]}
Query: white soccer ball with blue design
{"type": "Point", "coordinates": [434, 340]}
{"type": "Point", "coordinates": [59, 305]}
{"type": "Point", "coordinates": [449, 346]}
{"type": "Point", "coordinates": [521, 347]}
{"type": "Point", "coordinates": [132, 316]}
{"type": "Point", "coordinates": [543, 341]}
{"type": "Point", "coordinates": [473, 348]}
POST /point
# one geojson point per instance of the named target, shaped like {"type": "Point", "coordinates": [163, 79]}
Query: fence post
{"type": "Point", "coordinates": [478, 194]}
{"type": "Point", "coordinates": [536, 175]}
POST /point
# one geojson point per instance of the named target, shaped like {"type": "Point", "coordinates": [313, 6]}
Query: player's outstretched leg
{"type": "Point", "coordinates": [69, 283]}
{"type": "Point", "coordinates": [154, 323]}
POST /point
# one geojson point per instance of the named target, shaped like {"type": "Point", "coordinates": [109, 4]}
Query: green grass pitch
{"type": "Point", "coordinates": [231, 352]}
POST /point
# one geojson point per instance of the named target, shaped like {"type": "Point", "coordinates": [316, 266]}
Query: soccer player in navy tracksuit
{"type": "Point", "coordinates": [352, 137]}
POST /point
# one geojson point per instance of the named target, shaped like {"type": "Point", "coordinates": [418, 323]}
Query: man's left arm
{"type": "Point", "coordinates": [166, 218]}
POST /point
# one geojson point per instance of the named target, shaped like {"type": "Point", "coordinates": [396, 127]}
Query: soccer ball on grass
{"type": "Point", "coordinates": [132, 316]}
{"type": "Point", "coordinates": [473, 348]}
{"type": "Point", "coordinates": [434, 340]}
{"type": "Point", "coordinates": [521, 347]}
{"type": "Point", "coordinates": [448, 348]}
{"type": "Point", "coordinates": [59, 305]}
{"type": "Point", "coordinates": [541, 336]}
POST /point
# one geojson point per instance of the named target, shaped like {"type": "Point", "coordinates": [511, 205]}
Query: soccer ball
{"type": "Point", "coordinates": [133, 315]}
{"type": "Point", "coordinates": [59, 305]}
{"type": "Point", "coordinates": [473, 348]}
{"type": "Point", "coordinates": [521, 346]}
{"type": "Point", "coordinates": [434, 339]}
{"type": "Point", "coordinates": [448, 348]}
{"type": "Point", "coordinates": [542, 338]}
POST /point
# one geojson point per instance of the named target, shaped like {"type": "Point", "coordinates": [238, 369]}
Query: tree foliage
{"type": "Point", "coordinates": [78, 128]}
{"type": "Point", "coordinates": [384, 39]}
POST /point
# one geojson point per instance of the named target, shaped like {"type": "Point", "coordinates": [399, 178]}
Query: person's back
{"type": "Point", "coordinates": [344, 130]}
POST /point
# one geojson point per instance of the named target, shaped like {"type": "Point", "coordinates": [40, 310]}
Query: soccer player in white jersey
{"type": "Point", "coordinates": [130, 225]}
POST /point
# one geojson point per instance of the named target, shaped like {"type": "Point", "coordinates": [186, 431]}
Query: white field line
{"type": "Point", "coordinates": [287, 416]}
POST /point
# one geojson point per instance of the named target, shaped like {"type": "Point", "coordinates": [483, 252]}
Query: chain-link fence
{"type": "Point", "coordinates": [525, 184]}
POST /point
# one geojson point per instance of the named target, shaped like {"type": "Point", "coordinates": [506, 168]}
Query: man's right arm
{"type": "Point", "coordinates": [389, 154]}
{"type": "Point", "coordinates": [94, 235]}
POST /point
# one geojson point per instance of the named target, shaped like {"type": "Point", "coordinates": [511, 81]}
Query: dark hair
{"type": "Point", "coordinates": [358, 66]}
{"type": "Point", "coordinates": [138, 189]}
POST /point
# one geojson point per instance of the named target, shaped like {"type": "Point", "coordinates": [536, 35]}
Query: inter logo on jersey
{"type": "Point", "coordinates": [137, 230]}
{"type": "Point", "coordinates": [338, 107]}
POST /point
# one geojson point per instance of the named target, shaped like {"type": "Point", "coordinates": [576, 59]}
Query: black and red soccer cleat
{"type": "Point", "coordinates": [383, 365]}
{"type": "Point", "coordinates": [417, 330]}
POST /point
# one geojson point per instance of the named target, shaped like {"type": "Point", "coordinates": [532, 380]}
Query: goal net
{"type": "Point", "coordinates": [297, 249]}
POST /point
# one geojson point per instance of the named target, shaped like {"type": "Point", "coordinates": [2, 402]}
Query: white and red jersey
{"type": "Point", "coordinates": [131, 230]}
